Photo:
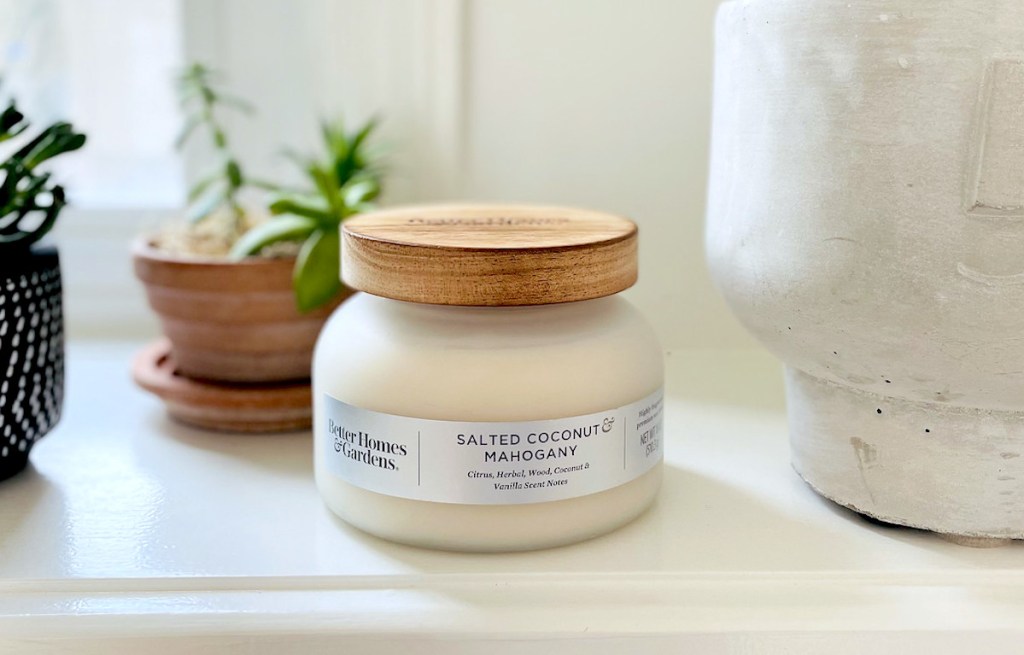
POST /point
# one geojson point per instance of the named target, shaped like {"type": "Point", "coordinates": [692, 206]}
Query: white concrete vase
{"type": "Point", "coordinates": [866, 222]}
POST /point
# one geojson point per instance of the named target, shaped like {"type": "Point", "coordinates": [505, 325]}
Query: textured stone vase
{"type": "Point", "coordinates": [866, 222]}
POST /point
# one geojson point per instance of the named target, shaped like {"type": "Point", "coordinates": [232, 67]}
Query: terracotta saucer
{"type": "Point", "coordinates": [222, 405]}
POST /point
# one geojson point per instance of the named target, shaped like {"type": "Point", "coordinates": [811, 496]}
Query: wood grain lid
{"type": "Point", "coordinates": [489, 255]}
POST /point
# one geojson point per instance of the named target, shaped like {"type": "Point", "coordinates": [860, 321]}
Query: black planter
{"type": "Point", "coordinates": [31, 352]}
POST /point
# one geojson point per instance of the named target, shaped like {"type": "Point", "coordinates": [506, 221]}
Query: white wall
{"type": "Point", "coordinates": [598, 103]}
{"type": "Point", "coordinates": [604, 104]}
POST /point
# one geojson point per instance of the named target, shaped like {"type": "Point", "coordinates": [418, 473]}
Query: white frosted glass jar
{"type": "Point", "coordinates": [468, 424]}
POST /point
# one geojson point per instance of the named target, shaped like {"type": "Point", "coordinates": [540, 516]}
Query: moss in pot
{"type": "Point", "coordinates": [242, 298]}
{"type": "Point", "coordinates": [31, 305]}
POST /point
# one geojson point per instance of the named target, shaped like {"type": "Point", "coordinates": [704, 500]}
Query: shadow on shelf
{"type": "Point", "coordinates": [697, 525]}
{"type": "Point", "coordinates": [916, 537]}
{"type": "Point", "coordinates": [701, 525]}
{"type": "Point", "coordinates": [287, 453]}
{"type": "Point", "coordinates": [751, 379]}
{"type": "Point", "coordinates": [32, 511]}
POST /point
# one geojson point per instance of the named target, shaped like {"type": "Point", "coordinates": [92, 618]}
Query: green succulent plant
{"type": "Point", "coordinates": [201, 97]}
{"type": "Point", "coordinates": [345, 180]}
{"type": "Point", "coordinates": [29, 202]}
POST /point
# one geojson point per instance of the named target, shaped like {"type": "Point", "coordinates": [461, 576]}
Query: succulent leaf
{"type": "Point", "coordinates": [191, 123]}
{"type": "Point", "coordinates": [361, 191]}
{"type": "Point", "coordinates": [210, 202]}
{"type": "Point", "coordinates": [316, 278]}
{"type": "Point", "coordinates": [12, 123]}
{"type": "Point", "coordinates": [233, 172]}
{"type": "Point", "coordinates": [286, 228]}
{"type": "Point", "coordinates": [344, 183]}
{"type": "Point", "coordinates": [29, 203]}
{"type": "Point", "coordinates": [314, 208]}
{"type": "Point", "coordinates": [204, 184]}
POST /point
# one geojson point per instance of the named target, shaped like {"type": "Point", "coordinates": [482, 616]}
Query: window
{"type": "Point", "coordinates": [105, 65]}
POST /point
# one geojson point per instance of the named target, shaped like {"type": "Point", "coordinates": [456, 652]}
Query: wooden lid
{"type": "Point", "coordinates": [489, 255]}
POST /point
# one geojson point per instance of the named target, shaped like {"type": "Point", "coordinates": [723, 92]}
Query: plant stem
{"type": "Point", "coordinates": [220, 142]}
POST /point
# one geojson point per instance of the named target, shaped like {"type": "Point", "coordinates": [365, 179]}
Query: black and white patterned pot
{"type": "Point", "coordinates": [31, 352]}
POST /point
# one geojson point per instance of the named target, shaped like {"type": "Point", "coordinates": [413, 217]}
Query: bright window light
{"type": "Point", "coordinates": [107, 66]}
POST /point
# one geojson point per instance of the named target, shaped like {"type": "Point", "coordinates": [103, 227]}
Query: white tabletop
{"type": "Point", "coordinates": [133, 531]}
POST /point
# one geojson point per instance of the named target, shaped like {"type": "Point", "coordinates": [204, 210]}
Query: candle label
{"type": "Point", "coordinates": [492, 463]}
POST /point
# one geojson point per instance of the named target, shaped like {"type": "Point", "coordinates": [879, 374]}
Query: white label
{"type": "Point", "coordinates": [496, 463]}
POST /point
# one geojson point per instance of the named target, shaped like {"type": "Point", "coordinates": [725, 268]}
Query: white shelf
{"type": "Point", "coordinates": [135, 532]}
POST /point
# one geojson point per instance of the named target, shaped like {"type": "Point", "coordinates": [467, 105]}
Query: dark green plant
{"type": "Point", "coordinates": [201, 97]}
{"type": "Point", "coordinates": [345, 180]}
{"type": "Point", "coordinates": [29, 202]}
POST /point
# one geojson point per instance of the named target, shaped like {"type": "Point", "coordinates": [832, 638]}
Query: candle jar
{"type": "Point", "coordinates": [488, 392]}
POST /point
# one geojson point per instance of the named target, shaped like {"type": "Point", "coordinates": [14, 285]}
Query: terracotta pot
{"type": "Point", "coordinates": [230, 321]}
